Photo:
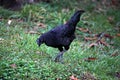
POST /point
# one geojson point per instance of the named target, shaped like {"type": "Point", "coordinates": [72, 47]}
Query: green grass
{"type": "Point", "coordinates": [22, 59]}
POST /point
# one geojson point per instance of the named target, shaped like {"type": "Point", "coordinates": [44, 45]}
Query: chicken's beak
{"type": "Point", "coordinates": [38, 42]}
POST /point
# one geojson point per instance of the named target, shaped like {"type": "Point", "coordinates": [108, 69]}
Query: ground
{"type": "Point", "coordinates": [88, 57]}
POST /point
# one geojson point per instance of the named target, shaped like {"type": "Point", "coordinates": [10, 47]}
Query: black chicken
{"type": "Point", "coordinates": [61, 36]}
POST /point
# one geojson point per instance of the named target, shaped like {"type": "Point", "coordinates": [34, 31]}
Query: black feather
{"type": "Point", "coordinates": [61, 36]}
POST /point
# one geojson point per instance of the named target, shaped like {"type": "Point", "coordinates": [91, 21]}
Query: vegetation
{"type": "Point", "coordinates": [22, 59]}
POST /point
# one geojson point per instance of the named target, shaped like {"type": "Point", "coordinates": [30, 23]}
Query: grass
{"type": "Point", "coordinates": [22, 59]}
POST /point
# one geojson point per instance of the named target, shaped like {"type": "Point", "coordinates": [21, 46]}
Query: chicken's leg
{"type": "Point", "coordinates": [59, 57]}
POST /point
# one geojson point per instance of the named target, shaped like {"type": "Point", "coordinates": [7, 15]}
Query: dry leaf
{"type": "Point", "coordinates": [118, 34]}
{"type": "Point", "coordinates": [114, 54]}
{"type": "Point", "coordinates": [41, 17]}
{"type": "Point", "coordinates": [88, 38]}
{"type": "Point", "coordinates": [73, 78]}
{"type": "Point", "coordinates": [41, 25]}
{"type": "Point", "coordinates": [31, 32]}
{"type": "Point", "coordinates": [84, 29]}
{"type": "Point", "coordinates": [90, 59]}
{"type": "Point", "coordinates": [93, 45]}
{"type": "Point", "coordinates": [104, 43]}
{"type": "Point", "coordinates": [13, 65]}
{"type": "Point", "coordinates": [64, 10]}
{"type": "Point", "coordinates": [108, 36]}
{"type": "Point", "coordinates": [88, 76]}
{"type": "Point", "coordinates": [37, 52]}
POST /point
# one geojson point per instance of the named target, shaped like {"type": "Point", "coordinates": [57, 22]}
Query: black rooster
{"type": "Point", "coordinates": [61, 36]}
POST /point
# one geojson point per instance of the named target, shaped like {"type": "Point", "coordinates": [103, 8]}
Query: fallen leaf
{"type": "Point", "coordinates": [115, 53]}
{"type": "Point", "coordinates": [84, 29]}
{"type": "Point", "coordinates": [118, 34]}
{"type": "Point", "coordinates": [13, 65]}
{"type": "Point", "coordinates": [90, 59]}
{"type": "Point", "coordinates": [104, 43]}
{"type": "Point", "coordinates": [41, 25]}
{"type": "Point", "coordinates": [41, 17]}
{"type": "Point", "coordinates": [37, 52]}
{"type": "Point", "coordinates": [93, 45]}
{"type": "Point", "coordinates": [65, 10]}
{"type": "Point", "coordinates": [31, 32]}
{"type": "Point", "coordinates": [73, 78]}
{"type": "Point", "coordinates": [89, 38]}
{"type": "Point", "coordinates": [108, 36]}
{"type": "Point", "coordinates": [88, 76]}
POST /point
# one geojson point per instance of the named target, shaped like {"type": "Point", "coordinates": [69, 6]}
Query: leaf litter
{"type": "Point", "coordinates": [88, 76]}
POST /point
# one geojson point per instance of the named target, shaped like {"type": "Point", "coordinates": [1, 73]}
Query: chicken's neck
{"type": "Point", "coordinates": [72, 23]}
